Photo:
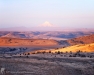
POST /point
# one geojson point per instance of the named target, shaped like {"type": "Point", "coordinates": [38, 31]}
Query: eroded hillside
{"type": "Point", "coordinates": [26, 42]}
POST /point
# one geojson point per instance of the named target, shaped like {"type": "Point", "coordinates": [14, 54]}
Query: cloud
{"type": "Point", "coordinates": [46, 24]}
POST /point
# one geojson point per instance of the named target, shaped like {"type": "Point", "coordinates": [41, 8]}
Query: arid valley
{"type": "Point", "coordinates": [25, 53]}
{"type": "Point", "coordinates": [46, 37]}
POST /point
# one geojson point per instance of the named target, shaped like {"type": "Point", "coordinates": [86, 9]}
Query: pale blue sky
{"type": "Point", "coordinates": [29, 13]}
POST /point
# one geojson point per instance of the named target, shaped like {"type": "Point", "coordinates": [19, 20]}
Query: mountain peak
{"type": "Point", "coordinates": [46, 24]}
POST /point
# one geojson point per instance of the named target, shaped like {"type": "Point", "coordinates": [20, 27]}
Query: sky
{"type": "Point", "coordinates": [48, 13]}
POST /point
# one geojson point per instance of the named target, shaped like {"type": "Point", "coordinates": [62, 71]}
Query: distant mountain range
{"type": "Point", "coordinates": [56, 35]}
{"type": "Point", "coordinates": [45, 27]}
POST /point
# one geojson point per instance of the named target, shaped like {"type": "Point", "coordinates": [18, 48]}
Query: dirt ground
{"type": "Point", "coordinates": [43, 65]}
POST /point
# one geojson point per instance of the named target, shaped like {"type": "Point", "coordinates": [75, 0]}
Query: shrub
{"type": "Point", "coordinates": [58, 52]}
{"type": "Point", "coordinates": [49, 51]}
{"type": "Point", "coordinates": [43, 52]}
{"type": "Point", "coordinates": [28, 54]}
{"type": "Point", "coordinates": [70, 55]}
{"type": "Point", "coordinates": [82, 55]}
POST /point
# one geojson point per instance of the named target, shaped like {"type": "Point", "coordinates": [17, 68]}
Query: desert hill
{"type": "Point", "coordinates": [82, 40]}
{"type": "Point", "coordinates": [84, 44]}
{"type": "Point", "coordinates": [26, 42]}
{"type": "Point", "coordinates": [75, 48]}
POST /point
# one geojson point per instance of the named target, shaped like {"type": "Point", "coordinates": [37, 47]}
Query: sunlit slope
{"type": "Point", "coordinates": [26, 42]}
{"type": "Point", "coordinates": [82, 40]}
{"type": "Point", "coordinates": [75, 48]}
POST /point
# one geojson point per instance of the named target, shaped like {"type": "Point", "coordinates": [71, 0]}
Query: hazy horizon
{"type": "Point", "coordinates": [47, 13]}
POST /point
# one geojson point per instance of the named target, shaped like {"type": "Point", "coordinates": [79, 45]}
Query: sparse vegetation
{"type": "Point", "coordinates": [68, 60]}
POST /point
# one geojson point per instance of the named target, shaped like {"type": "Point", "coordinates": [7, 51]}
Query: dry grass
{"type": "Point", "coordinates": [43, 65]}
{"type": "Point", "coordinates": [75, 48]}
